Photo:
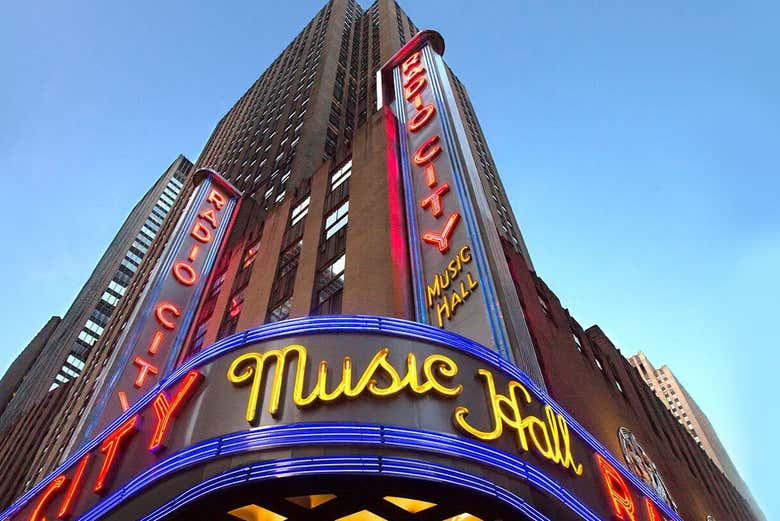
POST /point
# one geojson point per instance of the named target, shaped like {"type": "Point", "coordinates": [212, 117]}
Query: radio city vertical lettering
{"type": "Point", "coordinates": [447, 278]}
{"type": "Point", "coordinates": [157, 332]}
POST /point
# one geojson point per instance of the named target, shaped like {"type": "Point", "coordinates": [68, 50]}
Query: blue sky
{"type": "Point", "coordinates": [638, 143]}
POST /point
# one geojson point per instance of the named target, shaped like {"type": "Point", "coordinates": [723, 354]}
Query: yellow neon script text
{"type": "Point", "coordinates": [447, 302]}
{"type": "Point", "coordinates": [549, 438]}
{"type": "Point", "coordinates": [249, 369]}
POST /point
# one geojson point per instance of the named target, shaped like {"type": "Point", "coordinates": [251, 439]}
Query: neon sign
{"type": "Point", "coordinates": [67, 489]}
{"type": "Point", "coordinates": [622, 501]}
{"type": "Point", "coordinates": [457, 285]}
{"type": "Point", "coordinates": [151, 343]}
{"type": "Point", "coordinates": [420, 390]}
{"type": "Point", "coordinates": [549, 436]}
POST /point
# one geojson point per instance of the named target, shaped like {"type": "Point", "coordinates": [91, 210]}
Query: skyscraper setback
{"type": "Point", "coordinates": [345, 225]}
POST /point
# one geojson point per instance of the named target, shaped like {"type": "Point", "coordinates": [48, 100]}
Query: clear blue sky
{"type": "Point", "coordinates": [638, 143]}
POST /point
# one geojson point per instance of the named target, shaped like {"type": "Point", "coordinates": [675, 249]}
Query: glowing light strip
{"type": "Point", "coordinates": [344, 465]}
{"type": "Point", "coordinates": [347, 324]}
{"type": "Point", "coordinates": [489, 293]}
{"type": "Point", "coordinates": [329, 434]}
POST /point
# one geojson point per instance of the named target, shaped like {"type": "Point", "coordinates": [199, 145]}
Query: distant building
{"type": "Point", "coordinates": [673, 395]}
{"type": "Point", "coordinates": [58, 354]}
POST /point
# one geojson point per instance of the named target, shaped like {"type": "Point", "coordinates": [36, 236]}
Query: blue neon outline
{"type": "Point", "coordinates": [184, 325]}
{"type": "Point", "coordinates": [354, 324]}
{"type": "Point", "coordinates": [151, 298]}
{"type": "Point", "coordinates": [474, 233]}
{"type": "Point", "coordinates": [344, 465]}
{"type": "Point", "coordinates": [169, 259]}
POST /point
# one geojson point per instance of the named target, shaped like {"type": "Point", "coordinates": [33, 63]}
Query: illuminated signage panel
{"type": "Point", "coordinates": [450, 291]}
{"type": "Point", "coordinates": [368, 384]}
{"type": "Point", "coordinates": [460, 277]}
{"type": "Point", "coordinates": [159, 325]}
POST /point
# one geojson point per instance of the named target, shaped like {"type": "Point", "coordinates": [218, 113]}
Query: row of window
{"type": "Point", "coordinates": [95, 325]}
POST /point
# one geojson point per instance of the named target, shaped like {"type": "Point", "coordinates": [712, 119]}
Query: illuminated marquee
{"type": "Point", "coordinates": [158, 327]}
{"type": "Point", "coordinates": [297, 386]}
{"type": "Point", "coordinates": [454, 250]}
{"type": "Point", "coordinates": [549, 436]}
{"type": "Point", "coordinates": [92, 476]}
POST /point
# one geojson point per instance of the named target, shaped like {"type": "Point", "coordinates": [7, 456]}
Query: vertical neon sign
{"type": "Point", "coordinates": [159, 324]}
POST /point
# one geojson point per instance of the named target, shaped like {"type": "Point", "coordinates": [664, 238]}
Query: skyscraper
{"type": "Point", "coordinates": [673, 395]}
{"type": "Point", "coordinates": [340, 320]}
{"type": "Point", "coordinates": [58, 354]}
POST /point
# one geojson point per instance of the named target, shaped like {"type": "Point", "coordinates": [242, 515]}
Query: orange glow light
{"type": "Point", "coordinates": [210, 216]}
{"type": "Point", "coordinates": [184, 273]}
{"type": "Point", "coordinates": [414, 86]}
{"type": "Point", "coordinates": [427, 151]}
{"type": "Point", "coordinates": [442, 240]}
{"type": "Point", "coordinates": [622, 503]}
{"type": "Point", "coordinates": [163, 308]}
{"type": "Point", "coordinates": [154, 345]}
{"type": "Point", "coordinates": [217, 199]}
{"type": "Point", "coordinates": [422, 117]}
{"type": "Point", "coordinates": [110, 447]}
{"type": "Point", "coordinates": [652, 511]}
{"type": "Point", "coordinates": [410, 62]}
{"type": "Point", "coordinates": [49, 491]}
{"type": "Point", "coordinates": [434, 200]}
{"type": "Point", "coordinates": [144, 369]}
{"type": "Point", "coordinates": [200, 232]}
{"type": "Point", "coordinates": [166, 410]}
{"type": "Point", "coordinates": [65, 508]}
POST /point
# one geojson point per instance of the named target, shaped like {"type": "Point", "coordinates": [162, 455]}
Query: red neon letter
{"type": "Point", "coordinates": [123, 402]}
{"type": "Point", "coordinates": [412, 60]}
{"type": "Point", "coordinates": [442, 240]}
{"type": "Point", "coordinates": [50, 489]}
{"type": "Point", "coordinates": [430, 175]}
{"type": "Point", "coordinates": [434, 200]}
{"type": "Point", "coordinates": [110, 446]}
{"type": "Point", "coordinates": [166, 410]}
{"type": "Point", "coordinates": [184, 273]}
{"type": "Point", "coordinates": [159, 311]}
{"type": "Point", "coordinates": [210, 216]}
{"type": "Point", "coordinates": [413, 87]}
{"type": "Point", "coordinates": [200, 232]}
{"type": "Point", "coordinates": [652, 511]}
{"type": "Point", "coordinates": [427, 151]}
{"type": "Point", "coordinates": [217, 199]}
{"type": "Point", "coordinates": [65, 508]}
{"type": "Point", "coordinates": [155, 343]}
{"type": "Point", "coordinates": [422, 117]}
{"type": "Point", "coordinates": [617, 490]}
{"type": "Point", "coordinates": [144, 368]}
{"type": "Point", "coordinates": [194, 251]}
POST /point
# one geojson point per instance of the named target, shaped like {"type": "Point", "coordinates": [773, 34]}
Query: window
{"type": "Point", "coordinates": [110, 298]}
{"type": "Point", "coordinates": [543, 303]}
{"type": "Point", "coordinates": [336, 220]}
{"type": "Point", "coordinates": [300, 211]}
{"type": "Point", "coordinates": [577, 342]}
{"type": "Point", "coordinates": [330, 279]}
{"type": "Point", "coordinates": [280, 312]}
{"type": "Point", "coordinates": [340, 176]}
